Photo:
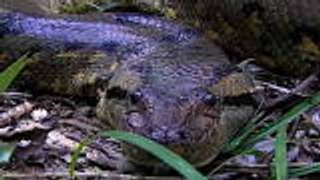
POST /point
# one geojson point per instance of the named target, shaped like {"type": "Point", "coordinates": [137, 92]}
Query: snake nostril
{"type": "Point", "coordinates": [175, 135]}
{"type": "Point", "coordinates": [158, 135]}
{"type": "Point", "coordinates": [136, 120]}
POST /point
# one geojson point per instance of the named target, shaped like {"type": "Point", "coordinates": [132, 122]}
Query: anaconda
{"type": "Point", "coordinates": [157, 78]}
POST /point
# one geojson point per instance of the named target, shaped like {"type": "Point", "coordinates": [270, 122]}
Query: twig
{"type": "Point", "coordinates": [295, 91]}
{"type": "Point", "coordinates": [80, 125]}
{"type": "Point", "coordinates": [92, 174]}
{"type": "Point", "coordinates": [257, 168]}
{"type": "Point", "coordinates": [294, 128]}
{"type": "Point", "coordinates": [15, 94]}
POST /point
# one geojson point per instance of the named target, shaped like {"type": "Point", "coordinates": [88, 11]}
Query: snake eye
{"type": "Point", "coordinates": [209, 100]}
{"type": "Point", "coordinates": [135, 98]}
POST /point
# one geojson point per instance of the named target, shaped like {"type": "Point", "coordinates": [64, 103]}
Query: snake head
{"type": "Point", "coordinates": [184, 124]}
{"type": "Point", "coordinates": [193, 122]}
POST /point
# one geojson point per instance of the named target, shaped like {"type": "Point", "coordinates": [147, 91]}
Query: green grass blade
{"type": "Point", "coordinates": [285, 119]}
{"type": "Point", "coordinates": [302, 171]}
{"type": "Point", "coordinates": [6, 78]}
{"type": "Point", "coordinates": [172, 159]}
{"type": "Point", "coordinates": [280, 162]}
{"type": "Point", "coordinates": [159, 151]}
{"type": "Point", "coordinates": [243, 134]}
{"type": "Point", "coordinates": [9, 74]}
{"type": "Point", "coordinates": [243, 145]}
{"type": "Point", "coordinates": [6, 151]}
{"type": "Point", "coordinates": [75, 157]}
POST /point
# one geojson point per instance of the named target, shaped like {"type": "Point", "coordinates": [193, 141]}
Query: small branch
{"type": "Point", "coordinates": [92, 174]}
{"type": "Point", "coordinates": [288, 93]}
{"type": "Point", "coordinates": [258, 168]}
{"type": "Point", "coordinates": [15, 94]}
